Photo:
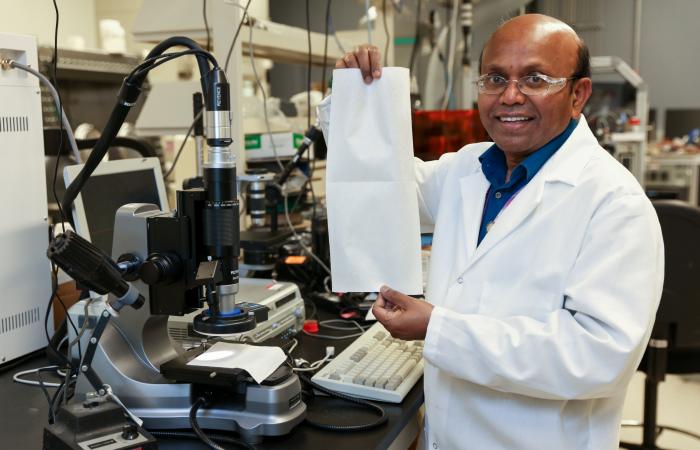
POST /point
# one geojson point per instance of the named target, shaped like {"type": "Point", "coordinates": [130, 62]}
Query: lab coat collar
{"type": "Point", "coordinates": [565, 166]}
{"type": "Point", "coordinates": [568, 163]}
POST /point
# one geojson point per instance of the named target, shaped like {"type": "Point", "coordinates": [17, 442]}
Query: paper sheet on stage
{"type": "Point", "coordinates": [258, 361]}
{"type": "Point", "coordinates": [370, 184]}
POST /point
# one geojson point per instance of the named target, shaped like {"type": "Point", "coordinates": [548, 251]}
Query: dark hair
{"type": "Point", "coordinates": [583, 61]}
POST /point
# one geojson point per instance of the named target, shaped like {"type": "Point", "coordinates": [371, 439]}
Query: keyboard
{"type": "Point", "coordinates": [375, 367]}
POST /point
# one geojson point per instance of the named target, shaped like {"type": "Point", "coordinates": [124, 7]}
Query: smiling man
{"type": "Point", "coordinates": [547, 260]}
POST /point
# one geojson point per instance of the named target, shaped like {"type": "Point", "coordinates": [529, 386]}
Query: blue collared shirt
{"type": "Point", "coordinates": [493, 164]}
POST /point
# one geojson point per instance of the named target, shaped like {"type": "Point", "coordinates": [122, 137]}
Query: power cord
{"type": "Point", "coordinates": [251, 25]}
{"type": "Point", "coordinates": [330, 352]}
{"type": "Point", "coordinates": [308, 105]}
{"type": "Point", "coordinates": [416, 39]}
{"type": "Point", "coordinates": [60, 108]}
{"type": "Point", "coordinates": [235, 36]}
{"type": "Point", "coordinates": [325, 47]}
{"type": "Point", "coordinates": [386, 33]}
{"type": "Point", "coordinates": [201, 401]}
{"type": "Point", "coordinates": [206, 24]}
{"type": "Point", "coordinates": [314, 366]}
{"type": "Point", "coordinates": [17, 378]}
{"type": "Point", "coordinates": [369, 23]}
{"type": "Point", "coordinates": [171, 434]}
{"type": "Point", "coordinates": [54, 94]}
{"type": "Point", "coordinates": [182, 146]}
{"type": "Point", "coordinates": [362, 427]}
{"type": "Point", "coordinates": [335, 36]}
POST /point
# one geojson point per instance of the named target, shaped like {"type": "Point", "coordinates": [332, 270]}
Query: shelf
{"type": "Point", "coordinates": [628, 136]}
{"type": "Point", "coordinates": [271, 40]}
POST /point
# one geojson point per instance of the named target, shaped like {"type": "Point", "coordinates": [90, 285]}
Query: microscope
{"type": "Point", "coordinates": [174, 262]}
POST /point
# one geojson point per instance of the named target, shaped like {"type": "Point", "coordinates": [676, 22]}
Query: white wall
{"type": "Point", "coordinates": [670, 60]}
{"type": "Point", "coordinates": [669, 50]}
{"type": "Point", "coordinates": [37, 17]}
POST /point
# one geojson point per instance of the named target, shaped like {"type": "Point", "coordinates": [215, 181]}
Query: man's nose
{"type": "Point", "coordinates": [512, 94]}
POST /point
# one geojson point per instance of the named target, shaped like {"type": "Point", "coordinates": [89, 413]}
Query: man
{"type": "Point", "coordinates": [547, 260]}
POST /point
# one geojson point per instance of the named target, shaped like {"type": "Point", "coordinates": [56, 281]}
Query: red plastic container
{"type": "Point", "coordinates": [438, 132]}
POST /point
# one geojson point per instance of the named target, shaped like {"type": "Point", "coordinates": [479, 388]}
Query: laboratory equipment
{"type": "Point", "coordinates": [182, 259]}
{"type": "Point", "coordinates": [24, 273]}
{"type": "Point", "coordinates": [671, 176]}
{"type": "Point", "coordinates": [285, 317]}
{"type": "Point", "coordinates": [111, 185]}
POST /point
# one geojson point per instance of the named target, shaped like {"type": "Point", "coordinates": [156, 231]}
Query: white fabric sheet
{"type": "Point", "coordinates": [370, 185]}
{"type": "Point", "coordinates": [258, 361]}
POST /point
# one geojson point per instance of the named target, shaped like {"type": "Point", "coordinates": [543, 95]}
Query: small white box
{"type": "Point", "coordinates": [259, 146]}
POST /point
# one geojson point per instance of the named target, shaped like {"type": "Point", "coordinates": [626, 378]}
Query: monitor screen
{"type": "Point", "coordinates": [679, 122]}
{"type": "Point", "coordinates": [112, 185]}
{"type": "Point", "coordinates": [103, 195]}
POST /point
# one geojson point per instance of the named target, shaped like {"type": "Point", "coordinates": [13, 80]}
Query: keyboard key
{"type": "Point", "coordinates": [376, 366]}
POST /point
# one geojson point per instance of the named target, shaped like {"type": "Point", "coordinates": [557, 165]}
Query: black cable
{"type": "Point", "coordinates": [182, 146]}
{"type": "Point", "coordinates": [193, 51]}
{"type": "Point", "coordinates": [128, 95]}
{"type": "Point", "coordinates": [201, 401]}
{"type": "Point", "coordinates": [142, 147]}
{"type": "Point", "coordinates": [54, 290]}
{"type": "Point", "coordinates": [163, 59]}
{"type": "Point", "coordinates": [325, 47]}
{"type": "Point", "coordinates": [60, 108]}
{"type": "Point", "coordinates": [416, 39]}
{"type": "Point", "coordinates": [235, 36]}
{"type": "Point", "coordinates": [46, 394]}
{"type": "Point", "coordinates": [312, 167]}
{"type": "Point", "coordinates": [661, 428]}
{"type": "Point", "coordinates": [53, 405]}
{"type": "Point", "coordinates": [54, 284]}
{"type": "Point", "coordinates": [69, 320]}
{"type": "Point", "coordinates": [195, 426]}
{"type": "Point", "coordinates": [172, 434]}
{"type": "Point", "coordinates": [308, 107]}
{"type": "Point", "coordinates": [308, 67]}
{"type": "Point", "coordinates": [206, 24]}
{"type": "Point", "coordinates": [386, 33]}
{"type": "Point", "coordinates": [681, 431]}
{"type": "Point", "coordinates": [362, 427]}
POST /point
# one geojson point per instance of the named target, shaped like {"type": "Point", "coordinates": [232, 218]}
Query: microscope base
{"type": "Point", "coordinates": [265, 411]}
{"type": "Point", "coordinates": [227, 416]}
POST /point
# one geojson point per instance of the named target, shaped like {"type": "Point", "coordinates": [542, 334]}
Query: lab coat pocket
{"type": "Point", "coordinates": [507, 299]}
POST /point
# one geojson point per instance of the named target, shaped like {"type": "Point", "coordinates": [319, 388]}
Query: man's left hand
{"type": "Point", "coordinates": [403, 316]}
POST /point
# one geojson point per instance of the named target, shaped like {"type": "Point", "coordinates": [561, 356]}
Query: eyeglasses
{"type": "Point", "coordinates": [536, 84]}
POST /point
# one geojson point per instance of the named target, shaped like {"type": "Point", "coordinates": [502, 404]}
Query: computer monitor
{"type": "Point", "coordinates": [112, 185]}
{"type": "Point", "coordinates": [679, 122]}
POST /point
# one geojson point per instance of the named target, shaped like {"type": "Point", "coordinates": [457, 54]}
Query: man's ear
{"type": "Point", "coordinates": [582, 92]}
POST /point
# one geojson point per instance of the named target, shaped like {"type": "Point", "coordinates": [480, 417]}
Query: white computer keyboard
{"type": "Point", "coordinates": [375, 366]}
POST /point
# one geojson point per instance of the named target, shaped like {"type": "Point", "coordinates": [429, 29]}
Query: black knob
{"type": "Point", "coordinates": [160, 268]}
{"type": "Point", "coordinates": [130, 432]}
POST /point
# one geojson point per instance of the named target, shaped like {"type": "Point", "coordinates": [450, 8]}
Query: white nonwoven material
{"type": "Point", "coordinates": [370, 184]}
{"type": "Point", "coordinates": [258, 361]}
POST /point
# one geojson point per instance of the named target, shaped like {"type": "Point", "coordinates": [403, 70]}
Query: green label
{"type": "Point", "coordinates": [253, 141]}
{"type": "Point", "coordinates": [404, 40]}
{"type": "Point", "coordinates": [298, 138]}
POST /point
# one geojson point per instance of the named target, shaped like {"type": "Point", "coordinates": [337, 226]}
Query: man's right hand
{"type": "Point", "coordinates": [367, 58]}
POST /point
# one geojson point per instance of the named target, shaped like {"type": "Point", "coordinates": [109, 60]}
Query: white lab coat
{"type": "Point", "coordinates": [537, 331]}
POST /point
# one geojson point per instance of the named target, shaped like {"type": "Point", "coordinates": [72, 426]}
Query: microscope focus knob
{"type": "Point", "coordinates": [130, 432]}
{"type": "Point", "coordinates": [159, 269]}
